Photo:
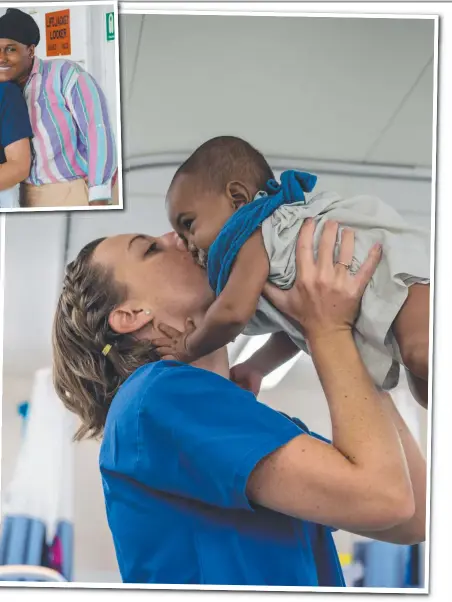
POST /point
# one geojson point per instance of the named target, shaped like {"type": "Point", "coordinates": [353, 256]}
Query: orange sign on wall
{"type": "Point", "coordinates": [58, 33]}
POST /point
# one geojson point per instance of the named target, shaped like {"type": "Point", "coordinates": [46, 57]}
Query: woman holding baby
{"type": "Point", "coordinates": [204, 484]}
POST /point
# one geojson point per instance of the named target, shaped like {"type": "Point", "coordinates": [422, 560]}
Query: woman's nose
{"type": "Point", "coordinates": [172, 239]}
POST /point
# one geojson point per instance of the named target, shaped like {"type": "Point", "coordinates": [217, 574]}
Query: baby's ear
{"type": "Point", "coordinates": [238, 194]}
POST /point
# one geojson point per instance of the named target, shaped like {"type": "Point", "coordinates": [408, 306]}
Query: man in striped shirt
{"type": "Point", "coordinates": [74, 152]}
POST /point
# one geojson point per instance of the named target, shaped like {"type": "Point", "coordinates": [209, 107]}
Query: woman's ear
{"type": "Point", "coordinates": [238, 194]}
{"type": "Point", "coordinates": [124, 319]}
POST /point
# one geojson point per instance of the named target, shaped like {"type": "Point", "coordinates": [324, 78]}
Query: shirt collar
{"type": "Point", "coordinates": [36, 68]}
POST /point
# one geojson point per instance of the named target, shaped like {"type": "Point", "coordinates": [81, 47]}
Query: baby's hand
{"type": "Point", "coordinates": [247, 377]}
{"type": "Point", "coordinates": [199, 255]}
{"type": "Point", "coordinates": [174, 345]}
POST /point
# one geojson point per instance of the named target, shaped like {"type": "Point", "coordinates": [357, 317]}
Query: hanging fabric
{"type": "Point", "coordinates": [37, 525]}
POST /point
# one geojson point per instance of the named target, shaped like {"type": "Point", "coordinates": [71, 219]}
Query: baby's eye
{"type": "Point", "coordinates": [188, 223]}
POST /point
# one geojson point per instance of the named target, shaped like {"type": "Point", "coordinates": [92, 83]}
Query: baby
{"type": "Point", "coordinates": [226, 205]}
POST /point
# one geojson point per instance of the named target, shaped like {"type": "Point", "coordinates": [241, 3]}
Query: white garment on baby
{"type": "Point", "coordinates": [405, 261]}
{"type": "Point", "coordinates": [9, 199]}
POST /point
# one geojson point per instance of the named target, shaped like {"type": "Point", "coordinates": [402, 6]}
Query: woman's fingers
{"type": "Point", "coordinates": [276, 296]}
{"type": "Point", "coordinates": [322, 295]}
{"type": "Point", "coordinates": [367, 269]}
{"type": "Point", "coordinates": [347, 246]}
{"type": "Point", "coordinates": [304, 257]}
{"type": "Point", "coordinates": [325, 257]}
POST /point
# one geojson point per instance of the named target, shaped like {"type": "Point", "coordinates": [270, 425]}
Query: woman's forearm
{"type": "Point", "coordinates": [412, 531]}
{"type": "Point", "coordinates": [11, 174]}
{"type": "Point", "coordinates": [363, 430]}
{"type": "Point", "coordinates": [15, 170]}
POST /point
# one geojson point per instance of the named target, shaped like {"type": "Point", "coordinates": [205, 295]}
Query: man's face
{"type": "Point", "coordinates": [15, 60]}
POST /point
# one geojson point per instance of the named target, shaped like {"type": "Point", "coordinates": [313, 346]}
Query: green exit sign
{"type": "Point", "coordinates": [110, 22]}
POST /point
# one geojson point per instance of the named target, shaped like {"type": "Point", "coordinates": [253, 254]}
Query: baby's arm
{"type": "Point", "coordinates": [278, 350]}
{"type": "Point", "coordinates": [235, 306]}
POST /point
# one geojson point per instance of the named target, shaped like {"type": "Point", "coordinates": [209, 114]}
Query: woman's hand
{"type": "Point", "coordinates": [325, 296]}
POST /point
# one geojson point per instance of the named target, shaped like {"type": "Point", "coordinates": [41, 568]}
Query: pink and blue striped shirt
{"type": "Point", "coordinates": [72, 134]}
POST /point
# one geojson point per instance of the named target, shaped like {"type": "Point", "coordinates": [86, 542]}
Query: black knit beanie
{"type": "Point", "coordinates": [20, 27]}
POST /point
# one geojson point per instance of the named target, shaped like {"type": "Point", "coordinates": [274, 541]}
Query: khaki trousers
{"type": "Point", "coordinates": [59, 194]}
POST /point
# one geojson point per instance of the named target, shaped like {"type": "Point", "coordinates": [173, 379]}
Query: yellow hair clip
{"type": "Point", "coordinates": [106, 350]}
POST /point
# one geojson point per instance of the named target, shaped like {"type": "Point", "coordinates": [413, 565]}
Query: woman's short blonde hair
{"type": "Point", "coordinates": [85, 379]}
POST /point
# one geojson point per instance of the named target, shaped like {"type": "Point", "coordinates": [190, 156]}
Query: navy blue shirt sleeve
{"type": "Point", "coordinates": [200, 436]}
{"type": "Point", "coordinates": [14, 119]}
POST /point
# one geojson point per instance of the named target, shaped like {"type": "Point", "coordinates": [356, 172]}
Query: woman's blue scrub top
{"type": "Point", "coordinates": [178, 448]}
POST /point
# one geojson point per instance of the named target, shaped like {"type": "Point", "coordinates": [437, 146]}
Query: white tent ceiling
{"type": "Point", "coordinates": [324, 88]}
{"type": "Point", "coordinates": [352, 91]}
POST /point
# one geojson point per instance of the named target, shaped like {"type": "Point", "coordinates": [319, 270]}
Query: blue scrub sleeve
{"type": "Point", "coordinates": [14, 119]}
{"type": "Point", "coordinates": [305, 429]}
{"type": "Point", "coordinates": [200, 436]}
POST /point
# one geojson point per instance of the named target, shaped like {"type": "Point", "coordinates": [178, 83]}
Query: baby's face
{"type": "Point", "coordinates": [197, 216]}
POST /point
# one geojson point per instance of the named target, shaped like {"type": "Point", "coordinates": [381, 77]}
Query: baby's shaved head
{"type": "Point", "coordinates": [225, 159]}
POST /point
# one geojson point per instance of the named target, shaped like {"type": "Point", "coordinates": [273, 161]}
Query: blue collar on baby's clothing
{"type": "Point", "coordinates": [244, 222]}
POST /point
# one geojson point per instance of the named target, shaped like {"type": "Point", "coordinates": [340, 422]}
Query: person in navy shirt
{"type": "Point", "coordinates": [15, 151]}
{"type": "Point", "coordinates": [204, 484]}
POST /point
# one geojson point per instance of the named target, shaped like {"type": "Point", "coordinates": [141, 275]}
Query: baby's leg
{"type": "Point", "coordinates": [411, 330]}
{"type": "Point", "coordinates": [418, 388]}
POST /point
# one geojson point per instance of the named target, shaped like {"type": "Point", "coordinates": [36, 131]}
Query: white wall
{"type": "Point", "coordinates": [102, 58]}
{"type": "Point", "coordinates": [78, 20]}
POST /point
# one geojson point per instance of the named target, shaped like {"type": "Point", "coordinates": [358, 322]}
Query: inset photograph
{"type": "Point", "coordinates": [59, 107]}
